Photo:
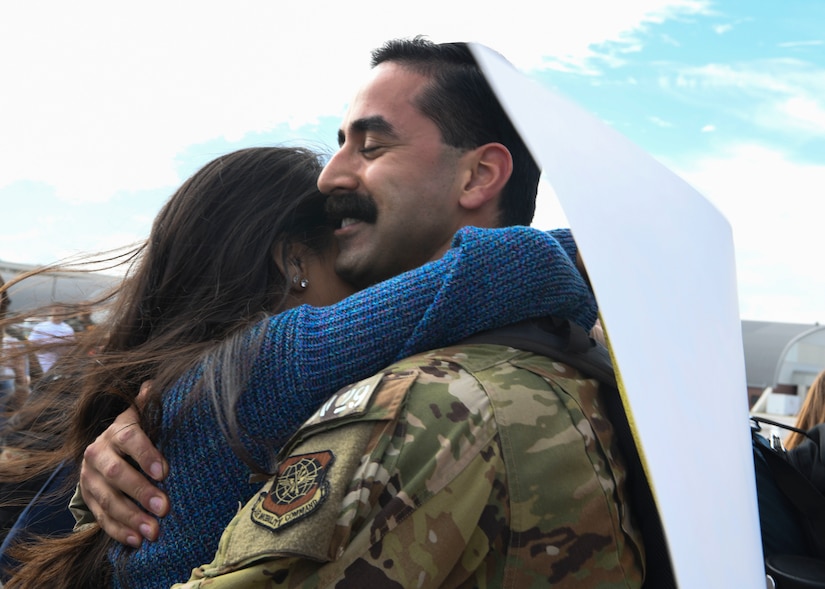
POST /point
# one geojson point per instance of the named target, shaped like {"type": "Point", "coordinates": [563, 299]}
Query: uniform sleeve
{"type": "Point", "coordinates": [489, 278]}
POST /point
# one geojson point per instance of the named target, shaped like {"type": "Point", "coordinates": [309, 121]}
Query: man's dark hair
{"type": "Point", "coordinates": [464, 107]}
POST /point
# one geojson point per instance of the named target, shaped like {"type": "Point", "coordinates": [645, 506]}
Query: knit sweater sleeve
{"type": "Point", "coordinates": [489, 278]}
{"type": "Point", "coordinates": [566, 241]}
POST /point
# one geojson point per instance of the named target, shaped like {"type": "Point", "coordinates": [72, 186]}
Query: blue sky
{"type": "Point", "coordinates": [701, 81]}
{"type": "Point", "coordinates": [106, 109]}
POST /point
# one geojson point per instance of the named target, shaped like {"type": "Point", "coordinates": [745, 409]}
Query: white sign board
{"type": "Point", "coordinates": [661, 261]}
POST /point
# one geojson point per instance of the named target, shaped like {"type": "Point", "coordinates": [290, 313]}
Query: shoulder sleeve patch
{"type": "Point", "coordinates": [298, 489]}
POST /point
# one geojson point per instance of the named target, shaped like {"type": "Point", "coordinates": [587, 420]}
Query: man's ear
{"type": "Point", "coordinates": [489, 168]}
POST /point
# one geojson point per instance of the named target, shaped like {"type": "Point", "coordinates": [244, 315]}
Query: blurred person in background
{"type": "Point", "coordinates": [812, 412]}
{"type": "Point", "coordinates": [56, 334]}
{"type": "Point", "coordinates": [14, 373]}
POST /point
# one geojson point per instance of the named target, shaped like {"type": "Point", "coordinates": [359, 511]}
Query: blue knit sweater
{"type": "Point", "coordinates": [490, 277]}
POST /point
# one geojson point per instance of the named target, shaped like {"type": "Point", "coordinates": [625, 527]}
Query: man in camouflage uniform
{"type": "Point", "coordinates": [477, 465]}
{"type": "Point", "coordinates": [471, 466]}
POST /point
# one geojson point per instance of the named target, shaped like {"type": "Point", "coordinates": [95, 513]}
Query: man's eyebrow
{"type": "Point", "coordinates": [376, 124]}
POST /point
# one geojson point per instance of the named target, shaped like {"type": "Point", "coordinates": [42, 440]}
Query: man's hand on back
{"type": "Point", "coordinates": [108, 482]}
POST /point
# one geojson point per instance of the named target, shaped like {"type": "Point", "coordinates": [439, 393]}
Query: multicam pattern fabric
{"type": "Point", "coordinates": [470, 466]}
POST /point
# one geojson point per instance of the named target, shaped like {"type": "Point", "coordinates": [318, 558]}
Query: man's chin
{"type": "Point", "coordinates": [352, 273]}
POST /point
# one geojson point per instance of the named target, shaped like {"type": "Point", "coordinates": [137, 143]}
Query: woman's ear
{"type": "Point", "coordinates": [489, 167]}
{"type": "Point", "coordinates": [291, 266]}
{"type": "Point", "coordinates": [278, 257]}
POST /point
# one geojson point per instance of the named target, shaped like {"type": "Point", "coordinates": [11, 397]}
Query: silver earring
{"type": "Point", "coordinates": [304, 283]}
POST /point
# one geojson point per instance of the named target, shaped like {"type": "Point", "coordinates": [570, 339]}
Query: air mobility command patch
{"type": "Point", "coordinates": [297, 490]}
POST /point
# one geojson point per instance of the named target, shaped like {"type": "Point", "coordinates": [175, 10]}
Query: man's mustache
{"type": "Point", "coordinates": [351, 206]}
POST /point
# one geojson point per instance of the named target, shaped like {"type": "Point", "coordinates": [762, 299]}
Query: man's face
{"type": "Point", "coordinates": [393, 182]}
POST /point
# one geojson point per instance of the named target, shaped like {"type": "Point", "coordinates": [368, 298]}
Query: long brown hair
{"type": "Point", "coordinates": [812, 412]}
{"type": "Point", "coordinates": [205, 274]}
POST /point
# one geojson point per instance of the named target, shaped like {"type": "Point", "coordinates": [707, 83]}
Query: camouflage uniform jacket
{"type": "Point", "coordinates": [470, 466]}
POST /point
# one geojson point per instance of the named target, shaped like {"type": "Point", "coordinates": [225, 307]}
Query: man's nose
{"type": "Point", "coordinates": [339, 175]}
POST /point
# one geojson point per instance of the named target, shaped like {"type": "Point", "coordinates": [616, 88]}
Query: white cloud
{"type": "Point", "coordinates": [771, 203]}
{"type": "Point", "coordinates": [784, 95]}
{"type": "Point", "coordinates": [101, 100]}
{"type": "Point", "coordinates": [660, 122]}
{"type": "Point", "coordinates": [101, 97]}
{"type": "Point", "coordinates": [791, 44]}
{"type": "Point", "coordinates": [667, 39]}
{"type": "Point", "coordinates": [618, 26]}
{"type": "Point", "coordinates": [708, 128]}
{"type": "Point", "coordinates": [804, 112]}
